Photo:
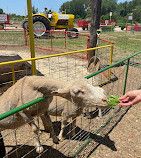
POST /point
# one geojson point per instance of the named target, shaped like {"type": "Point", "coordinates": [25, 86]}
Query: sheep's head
{"type": "Point", "coordinates": [84, 95]}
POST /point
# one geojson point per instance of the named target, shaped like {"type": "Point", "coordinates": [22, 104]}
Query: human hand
{"type": "Point", "coordinates": [130, 98]}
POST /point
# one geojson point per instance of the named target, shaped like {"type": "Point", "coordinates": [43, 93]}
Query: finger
{"type": "Point", "coordinates": [126, 104]}
{"type": "Point", "coordinates": [126, 99]}
{"type": "Point", "coordinates": [123, 97]}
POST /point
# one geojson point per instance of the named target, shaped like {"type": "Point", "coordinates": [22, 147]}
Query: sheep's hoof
{"type": "Point", "coordinates": [39, 149]}
{"type": "Point", "coordinates": [55, 140]}
{"type": "Point", "coordinates": [61, 139]}
{"type": "Point", "coordinates": [89, 116]}
{"type": "Point", "coordinates": [99, 117]}
{"type": "Point", "coordinates": [84, 114]}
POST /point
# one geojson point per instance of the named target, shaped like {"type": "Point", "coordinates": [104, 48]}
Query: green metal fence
{"type": "Point", "coordinates": [125, 76]}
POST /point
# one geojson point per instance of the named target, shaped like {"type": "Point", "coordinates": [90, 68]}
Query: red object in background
{"type": "Point", "coordinates": [103, 22]}
{"type": "Point", "coordinates": [83, 23]}
{"type": "Point", "coordinates": [4, 19]}
{"type": "Point", "coordinates": [137, 27]}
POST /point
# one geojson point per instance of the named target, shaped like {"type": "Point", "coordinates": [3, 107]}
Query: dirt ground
{"type": "Point", "coordinates": [120, 138]}
{"type": "Point", "coordinates": [126, 137]}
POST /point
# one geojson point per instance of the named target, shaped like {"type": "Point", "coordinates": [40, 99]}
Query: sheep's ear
{"type": "Point", "coordinates": [77, 91]}
{"type": "Point", "coordinates": [60, 91]}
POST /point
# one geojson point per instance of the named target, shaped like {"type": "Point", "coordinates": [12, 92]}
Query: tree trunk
{"type": "Point", "coordinates": [95, 23]}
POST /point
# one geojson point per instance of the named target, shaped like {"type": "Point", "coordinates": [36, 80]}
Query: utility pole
{"type": "Point", "coordinates": [95, 23]}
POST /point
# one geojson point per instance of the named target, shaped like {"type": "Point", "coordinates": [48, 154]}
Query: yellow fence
{"type": "Point", "coordinates": [83, 52]}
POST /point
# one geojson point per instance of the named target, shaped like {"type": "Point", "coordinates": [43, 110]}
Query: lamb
{"type": "Point", "coordinates": [31, 87]}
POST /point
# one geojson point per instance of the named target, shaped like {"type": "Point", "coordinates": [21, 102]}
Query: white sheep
{"type": "Point", "coordinates": [31, 87]}
{"type": "Point", "coordinates": [61, 107]}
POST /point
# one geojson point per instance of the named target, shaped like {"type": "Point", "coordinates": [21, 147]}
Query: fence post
{"type": "Point", "coordinates": [2, 147]}
{"type": "Point", "coordinates": [31, 35]}
{"type": "Point", "coordinates": [13, 73]}
{"type": "Point", "coordinates": [125, 83]}
{"type": "Point", "coordinates": [111, 56]}
{"type": "Point", "coordinates": [25, 37]}
{"type": "Point", "coordinates": [51, 41]}
{"type": "Point", "coordinates": [88, 46]}
{"type": "Point", "coordinates": [65, 40]}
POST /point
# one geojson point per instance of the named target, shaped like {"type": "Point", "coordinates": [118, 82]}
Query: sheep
{"type": "Point", "coordinates": [31, 87]}
{"type": "Point", "coordinates": [61, 107]}
{"type": "Point", "coordinates": [66, 110]}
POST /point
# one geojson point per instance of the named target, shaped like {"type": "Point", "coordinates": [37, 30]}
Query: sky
{"type": "Point", "coordinates": [19, 7]}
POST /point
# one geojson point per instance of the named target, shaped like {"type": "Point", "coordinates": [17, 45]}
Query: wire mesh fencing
{"type": "Point", "coordinates": [59, 41]}
{"type": "Point", "coordinates": [125, 43]}
{"type": "Point", "coordinates": [125, 76]}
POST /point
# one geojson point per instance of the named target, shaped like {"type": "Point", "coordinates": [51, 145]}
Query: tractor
{"type": "Point", "coordinates": [44, 22]}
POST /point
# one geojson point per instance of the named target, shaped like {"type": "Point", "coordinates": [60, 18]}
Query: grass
{"type": "Point", "coordinates": [12, 37]}
{"type": "Point", "coordinates": [125, 43]}
{"type": "Point", "coordinates": [124, 40]}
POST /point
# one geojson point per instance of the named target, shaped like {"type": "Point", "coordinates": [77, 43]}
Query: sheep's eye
{"type": "Point", "coordinates": [82, 92]}
{"type": "Point", "coordinates": [78, 91]}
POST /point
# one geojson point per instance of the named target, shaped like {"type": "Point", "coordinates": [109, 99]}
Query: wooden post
{"type": "Point", "coordinates": [95, 23]}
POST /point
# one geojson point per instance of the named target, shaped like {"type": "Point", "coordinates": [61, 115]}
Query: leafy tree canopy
{"type": "Point", "coordinates": [80, 8]}
{"type": "Point", "coordinates": [1, 11]}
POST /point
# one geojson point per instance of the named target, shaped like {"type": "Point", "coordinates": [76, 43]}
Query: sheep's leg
{"type": "Point", "coordinates": [35, 129]}
{"type": "Point", "coordinates": [99, 113]}
{"type": "Point", "coordinates": [87, 113]}
{"type": "Point", "coordinates": [49, 127]}
{"type": "Point", "coordinates": [63, 125]}
{"type": "Point", "coordinates": [73, 126]}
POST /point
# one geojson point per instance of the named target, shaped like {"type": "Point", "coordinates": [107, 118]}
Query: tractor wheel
{"type": "Point", "coordinates": [40, 23]}
{"type": "Point", "coordinates": [25, 24]}
{"type": "Point", "coordinates": [1, 26]}
{"type": "Point", "coordinates": [73, 30]}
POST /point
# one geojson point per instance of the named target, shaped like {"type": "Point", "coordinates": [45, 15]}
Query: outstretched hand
{"type": "Point", "coordinates": [130, 98]}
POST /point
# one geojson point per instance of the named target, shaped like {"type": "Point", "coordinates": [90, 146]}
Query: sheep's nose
{"type": "Point", "coordinates": [105, 99]}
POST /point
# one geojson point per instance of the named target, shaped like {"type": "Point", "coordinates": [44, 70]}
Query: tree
{"type": "Point", "coordinates": [16, 17]}
{"type": "Point", "coordinates": [95, 23]}
{"type": "Point", "coordinates": [80, 8]}
{"type": "Point", "coordinates": [108, 6]}
{"type": "Point", "coordinates": [1, 11]}
{"type": "Point", "coordinates": [34, 11]}
{"type": "Point", "coordinates": [123, 9]}
{"type": "Point", "coordinates": [75, 7]}
{"type": "Point", "coordinates": [137, 13]}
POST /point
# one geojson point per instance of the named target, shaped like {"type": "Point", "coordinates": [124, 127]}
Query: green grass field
{"type": "Point", "coordinates": [124, 40]}
{"type": "Point", "coordinates": [125, 43]}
